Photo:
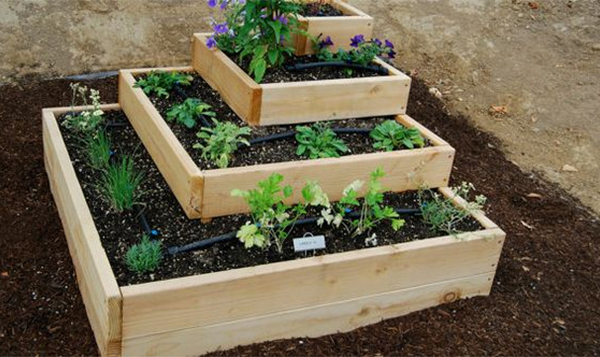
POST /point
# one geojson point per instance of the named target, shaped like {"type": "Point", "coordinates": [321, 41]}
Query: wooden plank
{"type": "Point", "coordinates": [313, 321]}
{"type": "Point", "coordinates": [98, 286]}
{"type": "Point", "coordinates": [405, 170]}
{"type": "Point", "coordinates": [459, 201]}
{"type": "Point", "coordinates": [239, 294]}
{"type": "Point", "coordinates": [425, 132]}
{"type": "Point", "coordinates": [237, 89]}
{"type": "Point", "coordinates": [174, 163]}
{"type": "Point", "coordinates": [301, 102]}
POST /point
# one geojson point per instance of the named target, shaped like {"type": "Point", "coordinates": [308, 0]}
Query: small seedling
{"type": "Point", "coordinates": [391, 135]}
{"type": "Point", "coordinates": [87, 121]}
{"type": "Point", "coordinates": [144, 256]}
{"type": "Point", "coordinates": [187, 113]}
{"type": "Point", "coordinates": [318, 141]}
{"type": "Point", "coordinates": [120, 183]}
{"type": "Point", "coordinates": [363, 51]}
{"type": "Point", "coordinates": [221, 141]}
{"type": "Point", "coordinates": [442, 214]}
{"type": "Point", "coordinates": [161, 83]}
{"type": "Point", "coordinates": [98, 151]}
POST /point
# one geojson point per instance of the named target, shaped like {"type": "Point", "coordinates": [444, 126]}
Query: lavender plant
{"type": "Point", "coordinates": [258, 29]}
{"type": "Point", "coordinates": [144, 256]}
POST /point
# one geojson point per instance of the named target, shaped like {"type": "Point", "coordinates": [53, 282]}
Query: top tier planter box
{"type": "Point", "coordinates": [299, 102]}
{"type": "Point", "coordinates": [340, 28]}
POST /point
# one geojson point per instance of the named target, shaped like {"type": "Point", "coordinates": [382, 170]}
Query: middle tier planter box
{"type": "Point", "coordinates": [299, 102]}
{"type": "Point", "coordinates": [206, 193]}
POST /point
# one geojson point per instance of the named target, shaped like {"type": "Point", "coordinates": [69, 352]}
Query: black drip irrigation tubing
{"type": "Point", "coordinates": [290, 134]}
{"type": "Point", "coordinates": [303, 66]}
{"type": "Point", "coordinates": [206, 243]}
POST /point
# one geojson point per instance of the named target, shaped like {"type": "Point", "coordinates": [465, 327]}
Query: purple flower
{"type": "Point", "coordinates": [223, 4]}
{"type": "Point", "coordinates": [211, 42]}
{"type": "Point", "coordinates": [377, 41]}
{"type": "Point", "coordinates": [391, 54]}
{"type": "Point", "coordinates": [326, 42]}
{"type": "Point", "coordinates": [389, 45]}
{"type": "Point", "coordinates": [357, 40]}
{"type": "Point", "coordinates": [212, 3]}
{"type": "Point", "coordinates": [283, 19]}
{"type": "Point", "coordinates": [221, 28]}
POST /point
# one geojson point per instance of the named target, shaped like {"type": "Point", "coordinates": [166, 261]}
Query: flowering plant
{"type": "Point", "coordinates": [259, 29]}
{"type": "Point", "coordinates": [363, 51]}
{"type": "Point", "coordinates": [86, 121]}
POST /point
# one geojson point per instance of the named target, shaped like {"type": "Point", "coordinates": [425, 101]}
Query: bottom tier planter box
{"type": "Point", "coordinates": [306, 297]}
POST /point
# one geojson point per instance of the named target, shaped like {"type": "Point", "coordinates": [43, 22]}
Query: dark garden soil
{"type": "Point", "coordinates": [319, 9]}
{"type": "Point", "coordinates": [283, 75]}
{"type": "Point", "coordinates": [545, 299]}
{"type": "Point", "coordinates": [119, 231]}
{"type": "Point", "coordinates": [263, 153]}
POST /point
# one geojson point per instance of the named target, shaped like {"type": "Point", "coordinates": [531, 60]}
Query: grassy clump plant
{"type": "Point", "coordinates": [145, 256]}
{"type": "Point", "coordinates": [120, 184]}
{"type": "Point", "coordinates": [97, 147]}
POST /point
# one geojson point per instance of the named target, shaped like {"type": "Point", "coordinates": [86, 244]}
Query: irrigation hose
{"type": "Point", "coordinates": [290, 134]}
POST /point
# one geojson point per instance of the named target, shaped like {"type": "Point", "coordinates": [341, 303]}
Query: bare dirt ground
{"type": "Point", "coordinates": [538, 59]}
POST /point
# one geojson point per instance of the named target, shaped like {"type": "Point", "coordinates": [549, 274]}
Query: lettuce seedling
{"type": "Point", "coordinates": [391, 135]}
{"type": "Point", "coordinates": [161, 82]}
{"type": "Point", "coordinates": [187, 113]}
{"type": "Point", "coordinates": [318, 141]}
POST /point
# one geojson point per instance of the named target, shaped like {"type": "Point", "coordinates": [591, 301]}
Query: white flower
{"type": "Point", "coordinates": [371, 241]}
{"type": "Point", "coordinates": [354, 186]}
{"type": "Point", "coordinates": [98, 113]}
{"type": "Point", "coordinates": [338, 220]}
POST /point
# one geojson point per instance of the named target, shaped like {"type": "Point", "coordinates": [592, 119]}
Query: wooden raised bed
{"type": "Point", "coordinates": [306, 297]}
{"type": "Point", "coordinates": [340, 28]}
{"type": "Point", "coordinates": [299, 102]}
{"type": "Point", "coordinates": [206, 193]}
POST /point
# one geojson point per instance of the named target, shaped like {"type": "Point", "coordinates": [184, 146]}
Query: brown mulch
{"type": "Point", "coordinates": [545, 301]}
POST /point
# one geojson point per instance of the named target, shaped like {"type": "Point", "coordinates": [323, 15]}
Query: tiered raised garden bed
{"type": "Point", "coordinates": [206, 193]}
{"type": "Point", "coordinates": [300, 102]}
{"type": "Point", "coordinates": [304, 297]}
{"type": "Point", "coordinates": [340, 28]}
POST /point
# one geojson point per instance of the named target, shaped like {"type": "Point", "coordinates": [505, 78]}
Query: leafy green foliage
{"type": "Point", "coordinates": [273, 219]}
{"type": "Point", "coordinates": [144, 256]}
{"type": "Point", "coordinates": [318, 141]}
{"type": "Point", "coordinates": [442, 214]}
{"type": "Point", "coordinates": [362, 53]}
{"type": "Point", "coordinates": [97, 147]}
{"type": "Point", "coordinates": [86, 121]}
{"type": "Point", "coordinates": [221, 141]}
{"type": "Point", "coordinates": [119, 184]}
{"type": "Point", "coordinates": [391, 135]}
{"type": "Point", "coordinates": [161, 82]}
{"type": "Point", "coordinates": [186, 113]}
{"type": "Point", "coordinates": [372, 209]}
{"type": "Point", "coordinates": [259, 29]}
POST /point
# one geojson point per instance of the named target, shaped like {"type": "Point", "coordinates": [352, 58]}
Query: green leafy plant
{"type": "Point", "coordinates": [442, 214]}
{"type": "Point", "coordinates": [86, 121]}
{"type": "Point", "coordinates": [259, 29]}
{"type": "Point", "coordinates": [318, 141]}
{"type": "Point", "coordinates": [221, 141]}
{"type": "Point", "coordinates": [372, 210]}
{"type": "Point", "coordinates": [186, 113]}
{"type": "Point", "coordinates": [97, 147]}
{"type": "Point", "coordinates": [391, 135]}
{"type": "Point", "coordinates": [273, 219]}
{"type": "Point", "coordinates": [363, 52]}
{"type": "Point", "coordinates": [144, 256]}
{"type": "Point", "coordinates": [119, 184]}
{"type": "Point", "coordinates": [161, 82]}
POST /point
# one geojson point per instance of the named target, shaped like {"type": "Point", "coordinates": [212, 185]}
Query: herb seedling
{"type": "Point", "coordinates": [144, 256]}
{"type": "Point", "coordinates": [119, 184]}
{"type": "Point", "coordinates": [86, 121]}
{"type": "Point", "coordinates": [318, 141]}
{"type": "Point", "coordinates": [221, 141]}
{"type": "Point", "coordinates": [186, 113]}
{"type": "Point", "coordinates": [97, 147]}
{"type": "Point", "coordinates": [161, 83]}
{"type": "Point", "coordinates": [257, 29]}
{"type": "Point", "coordinates": [442, 214]}
{"type": "Point", "coordinates": [272, 219]}
{"type": "Point", "coordinates": [391, 135]}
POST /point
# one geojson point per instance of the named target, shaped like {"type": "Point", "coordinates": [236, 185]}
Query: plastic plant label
{"type": "Point", "coordinates": [309, 242]}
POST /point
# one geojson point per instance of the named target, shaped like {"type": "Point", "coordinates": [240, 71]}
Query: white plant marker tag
{"type": "Point", "coordinates": [309, 242]}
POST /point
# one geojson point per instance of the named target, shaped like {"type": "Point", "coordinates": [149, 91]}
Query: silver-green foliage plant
{"type": "Point", "coordinates": [161, 82]}
{"type": "Point", "coordinates": [220, 142]}
{"type": "Point", "coordinates": [86, 121]}
{"type": "Point", "coordinates": [120, 184]}
{"type": "Point", "coordinates": [391, 135]}
{"type": "Point", "coordinates": [187, 113]}
{"type": "Point", "coordinates": [318, 141]}
{"type": "Point", "coordinates": [144, 256]}
{"type": "Point", "coordinates": [97, 147]}
{"type": "Point", "coordinates": [372, 210]}
{"type": "Point", "coordinates": [273, 219]}
{"type": "Point", "coordinates": [442, 214]}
